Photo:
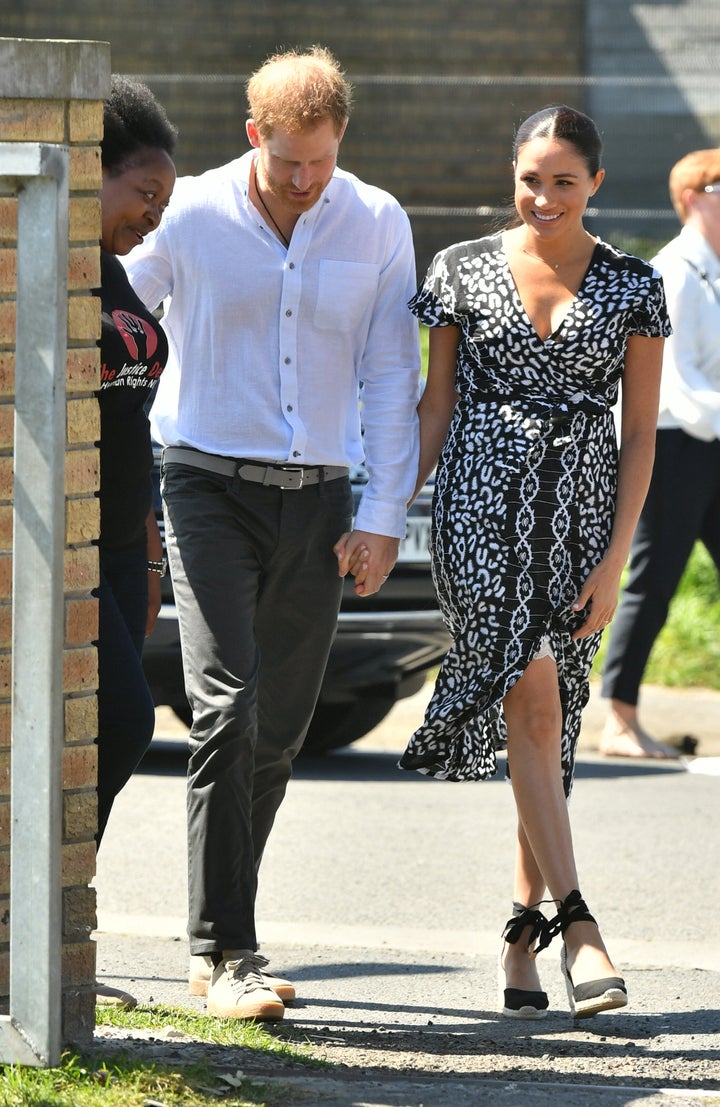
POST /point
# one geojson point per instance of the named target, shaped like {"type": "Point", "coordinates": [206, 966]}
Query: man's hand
{"type": "Point", "coordinates": [369, 557]}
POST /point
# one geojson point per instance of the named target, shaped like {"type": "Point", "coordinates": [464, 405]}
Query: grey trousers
{"type": "Point", "coordinates": [257, 593]}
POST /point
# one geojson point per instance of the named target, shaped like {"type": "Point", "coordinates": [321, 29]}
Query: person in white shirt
{"type": "Point", "coordinates": [683, 502]}
{"type": "Point", "coordinates": [286, 282]}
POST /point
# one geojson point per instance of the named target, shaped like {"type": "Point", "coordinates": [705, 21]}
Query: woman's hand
{"type": "Point", "coordinates": [368, 557]}
{"type": "Point", "coordinates": [599, 596]}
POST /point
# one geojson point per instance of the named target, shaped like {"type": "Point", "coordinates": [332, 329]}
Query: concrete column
{"type": "Point", "coordinates": [52, 92]}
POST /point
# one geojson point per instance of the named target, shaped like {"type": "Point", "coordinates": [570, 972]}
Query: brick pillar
{"type": "Point", "coordinates": [52, 91]}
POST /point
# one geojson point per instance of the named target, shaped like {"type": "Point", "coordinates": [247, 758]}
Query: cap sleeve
{"type": "Point", "coordinates": [650, 317]}
{"type": "Point", "coordinates": [435, 301]}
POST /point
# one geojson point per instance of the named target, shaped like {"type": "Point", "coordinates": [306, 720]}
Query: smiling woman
{"type": "Point", "coordinates": [133, 200]}
{"type": "Point", "coordinates": [138, 170]}
{"type": "Point", "coordinates": [138, 178]}
{"type": "Point", "coordinates": [531, 332]}
{"type": "Point", "coordinates": [554, 179]}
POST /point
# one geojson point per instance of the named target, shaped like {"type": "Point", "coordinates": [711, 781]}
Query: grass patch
{"type": "Point", "coordinates": [207, 1028]}
{"type": "Point", "coordinates": [122, 1081]}
{"type": "Point", "coordinates": [124, 1078]}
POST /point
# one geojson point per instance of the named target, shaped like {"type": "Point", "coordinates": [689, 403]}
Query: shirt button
{"type": "Point", "coordinates": [291, 265]}
{"type": "Point", "coordinates": [288, 313]}
{"type": "Point", "coordinates": [289, 407]}
{"type": "Point", "coordinates": [287, 360]}
{"type": "Point", "coordinates": [296, 453]}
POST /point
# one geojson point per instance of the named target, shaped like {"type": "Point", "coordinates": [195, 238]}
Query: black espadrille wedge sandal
{"type": "Point", "coordinates": [520, 1003]}
{"type": "Point", "coordinates": [594, 995]}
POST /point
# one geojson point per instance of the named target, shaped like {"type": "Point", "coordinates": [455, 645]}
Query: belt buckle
{"type": "Point", "coordinates": [294, 471]}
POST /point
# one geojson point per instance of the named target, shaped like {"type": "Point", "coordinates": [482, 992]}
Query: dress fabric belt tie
{"type": "Point", "coordinates": [538, 413]}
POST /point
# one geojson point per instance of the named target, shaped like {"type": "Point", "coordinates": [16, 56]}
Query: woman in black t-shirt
{"type": "Point", "coordinates": [138, 178]}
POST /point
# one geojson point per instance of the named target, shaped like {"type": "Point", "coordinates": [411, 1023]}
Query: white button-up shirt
{"type": "Point", "coordinates": [690, 384]}
{"type": "Point", "coordinates": [269, 346]}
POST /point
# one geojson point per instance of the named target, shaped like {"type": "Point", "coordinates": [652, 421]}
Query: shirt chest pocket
{"type": "Point", "coordinates": [346, 292]}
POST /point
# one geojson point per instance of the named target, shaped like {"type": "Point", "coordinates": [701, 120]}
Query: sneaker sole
{"type": "Point", "coordinates": [264, 1012]}
{"type": "Point", "coordinates": [286, 993]}
{"type": "Point", "coordinates": [197, 987]}
{"type": "Point", "coordinates": [107, 996]}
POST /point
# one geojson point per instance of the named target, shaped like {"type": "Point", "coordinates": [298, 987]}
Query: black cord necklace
{"type": "Point", "coordinates": [285, 240]}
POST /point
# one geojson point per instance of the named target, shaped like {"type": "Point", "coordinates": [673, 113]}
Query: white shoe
{"type": "Point", "coordinates": [201, 968]}
{"type": "Point", "coordinates": [237, 990]}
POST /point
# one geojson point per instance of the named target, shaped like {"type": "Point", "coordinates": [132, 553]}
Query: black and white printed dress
{"type": "Point", "coordinates": [525, 489]}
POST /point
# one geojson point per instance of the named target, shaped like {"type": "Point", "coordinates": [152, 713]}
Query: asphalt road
{"type": "Point", "coordinates": [383, 895]}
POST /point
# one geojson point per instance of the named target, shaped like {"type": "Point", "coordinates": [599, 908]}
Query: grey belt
{"type": "Point", "coordinates": [287, 477]}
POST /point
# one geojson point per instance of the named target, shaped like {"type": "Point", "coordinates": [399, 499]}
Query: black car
{"type": "Point", "coordinates": [384, 645]}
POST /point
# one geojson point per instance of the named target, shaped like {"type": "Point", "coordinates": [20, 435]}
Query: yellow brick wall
{"type": "Point", "coordinates": [77, 123]}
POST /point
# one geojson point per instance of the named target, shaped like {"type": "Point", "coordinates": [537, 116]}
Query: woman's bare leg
{"type": "Point", "coordinates": [528, 888]}
{"type": "Point", "coordinates": [534, 724]}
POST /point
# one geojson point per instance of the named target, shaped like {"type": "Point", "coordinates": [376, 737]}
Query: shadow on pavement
{"type": "Point", "coordinates": [368, 765]}
{"type": "Point", "coordinates": [169, 758]}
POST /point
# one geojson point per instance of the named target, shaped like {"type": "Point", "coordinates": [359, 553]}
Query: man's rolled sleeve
{"type": "Point", "coordinates": [390, 374]}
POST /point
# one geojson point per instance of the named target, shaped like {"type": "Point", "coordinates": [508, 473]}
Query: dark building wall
{"type": "Point", "coordinates": [656, 94]}
{"type": "Point", "coordinates": [418, 128]}
{"type": "Point", "coordinates": [440, 86]}
{"type": "Point", "coordinates": [375, 36]}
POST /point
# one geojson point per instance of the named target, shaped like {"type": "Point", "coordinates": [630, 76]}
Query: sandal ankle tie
{"type": "Point", "coordinates": [572, 909]}
{"type": "Point", "coordinates": [522, 917]}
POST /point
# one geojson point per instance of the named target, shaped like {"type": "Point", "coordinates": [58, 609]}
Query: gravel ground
{"type": "Point", "coordinates": [403, 1052]}
{"type": "Point", "coordinates": [505, 1066]}
{"type": "Point", "coordinates": [416, 1026]}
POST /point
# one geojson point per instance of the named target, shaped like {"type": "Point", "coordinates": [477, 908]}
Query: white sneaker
{"type": "Point", "coordinates": [201, 968]}
{"type": "Point", "coordinates": [237, 990]}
